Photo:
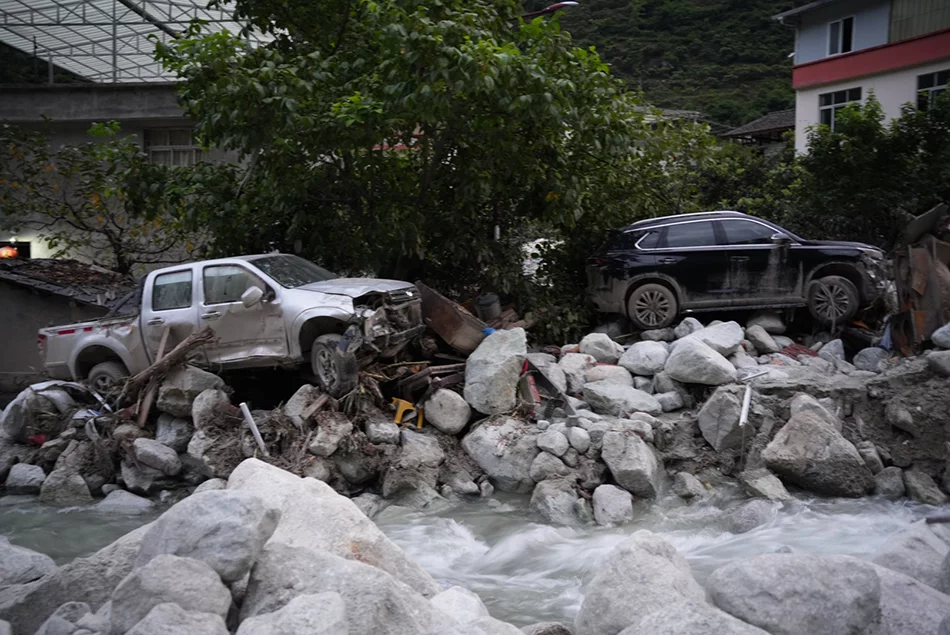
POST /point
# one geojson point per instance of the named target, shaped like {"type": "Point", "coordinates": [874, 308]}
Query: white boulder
{"type": "Point", "coordinates": [447, 411]}
{"type": "Point", "coordinates": [492, 372]}
{"type": "Point", "coordinates": [693, 362]}
{"type": "Point", "coordinates": [609, 398]}
{"type": "Point", "coordinates": [645, 358]}
{"type": "Point", "coordinates": [601, 347]}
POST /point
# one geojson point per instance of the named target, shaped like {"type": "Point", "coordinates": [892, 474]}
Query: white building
{"type": "Point", "coordinates": [847, 49]}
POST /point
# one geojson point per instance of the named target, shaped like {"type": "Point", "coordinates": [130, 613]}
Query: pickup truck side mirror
{"type": "Point", "coordinates": [778, 238]}
{"type": "Point", "coordinates": [252, 296]}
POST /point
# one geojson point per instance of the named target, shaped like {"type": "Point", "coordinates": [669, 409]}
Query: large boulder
{"type": "Point", "coordinates": [546, 466]}
{"type": "Point", "coordinates": [19, 565]}
{"type": "Point", "coordinates": [800, 595]}
{"type": "Point", "coordinates": [908, 606]}
{"type": "Point", "coordinates": [770, 322]}
{"type": "Point", "coordinates": [601, 347]}
{"type": "Point", "coordinates": [554, 499]}
{"type": "Point", "coordinates": [375, 602]}
{"type": "Point", "coordinates": [153, 454]}
{"type": "Point", "coordinates": [25, 479]}
{"type": "Point", "coordinates": [687, 486]}
{"type": "Point", "coordinates": [688, 326]}
{"type": "Point", "coordinates": [122, 502]}
{"type": "Point", "coordinates": [922, 488]}
{"type": "Point", "coordinates": [871, 359]}
{"type": "Point", "coordinates": [331, 430]}
{"type": "Point", "coordinates": [810, 453]}
{"type": "Point", "coordinates": [208, 407]}
{"type": "Point", "coordinates": [180, 388]}
{"type": "Point", "coordinates": [749, 515]}
{"type": "Point", "coordinates": [941, 337]}
{"type": "Point", "coordinates": [724, 338]}
{"type": "Point", "coordinates": [224, 529]}
{"type": "Point", "coordinates": [575, 367]}
{"type": "Point", "coordinates": [90, 580]}
{"type": "Point", "coordinates": [313, 516]}
{"type": "Point", "coordinates": [460, 604]}
{"type": "Point", "coordinates": [504, 448]}
{"type": "Point", "coordinates": [693, 362]}
{"type": "Point", "coordinates": [919, 553]}
{"type": "Point", "coordinates": [26, 415]}
{"type": "Point", "coordinates": [690, 618]}
{"type": "Point", "coordinates": [939, 362]}
{"type": "Point", "coordinates": [174, 432]}
{"type": "Point", "coordinates": [313, 614]}
{"type": "Point", "coordinates": [633, 464]}
{"type": "Point", "coordinates": [64, 620]}
{"type": "Point", "coordinates": [170, 619]}
{"type": "Point", "coordinates": [65, 488]}
{"type": "Point", "coordinates": [383, 431]}
{"type": "Point", "coordinates": [190, 584]}
{"type": "Point", "coordinates": [553, 442]}
{"type": "Point", "coordinates": [645, 358]}
{"type": "Point", "coordinates": [606, 372]}
{"type": "Point", "coordinates": [763, 484]}
{"type": "Point", "coordinates": [447, 411]}
{"type": "Point", "coordinates": [719, 419]}
{"type": "Point", "coordinates": [493, 370]}
{"type": "Point", "coordinates": [641, 575]}
{"type": "Point", "coordinates": [612, 505]}
{"type": "Point", "coordinates": [610, 398]}
{"type": "Point", "coordinates": [761, 340]}
{"type": "Point", "coordinates": [833, 351]}
{"type": "Point", "coordinates": [889, 483]}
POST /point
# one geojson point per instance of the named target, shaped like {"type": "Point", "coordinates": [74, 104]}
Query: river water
{"type": "Point", "coordinates": [524, 570]}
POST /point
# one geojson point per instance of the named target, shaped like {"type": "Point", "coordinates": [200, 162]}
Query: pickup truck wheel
{"type": "Point", "coordinates": [105, 376]}
{"type": "Point", "coordinates": [833, 300]}
{"type": "Point", "coordinates": [652, 306]}
{"type": "Point", "coordinates": [337, 372]}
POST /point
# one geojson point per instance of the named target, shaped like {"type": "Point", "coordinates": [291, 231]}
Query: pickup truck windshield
{"type": "Point", "coordinates": [292, 271]}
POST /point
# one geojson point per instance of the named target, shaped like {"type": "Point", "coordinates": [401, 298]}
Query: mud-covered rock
{"type": "Point", "coordinates": [554, 500]}
{"type": "Point", "coordinates": [922, 488]}
{"type": "Point", "coordinates": [693, 362]}
{"type": "Point", "coordinates": [601, 347]}
{"type": "Point", "coordinates": [504, 448]}
{"type": "Point", "coordinates": [25, 479]}
{"type": "Point", "coordinates": [180, 388]}
{"type": "Point", "coordinates": [633, 464]}
{"type": "Point", "coordinates": [645, 358]}
{"type": "Point", "coordinates": [447, 411]}
{"type": "Point", "coordinates": [889, 483]}
{"type": "Point", "coordinates": [614, 399]}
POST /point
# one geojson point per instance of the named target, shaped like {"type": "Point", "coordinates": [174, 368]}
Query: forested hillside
{"type": "Point", "coordinates": [726, 58]}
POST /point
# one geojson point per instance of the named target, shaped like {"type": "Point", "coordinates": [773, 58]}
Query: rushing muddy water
{"type": "Point", "coordinates": [524, 570]}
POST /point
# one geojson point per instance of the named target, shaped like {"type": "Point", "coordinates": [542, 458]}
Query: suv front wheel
{"type": "Point", "coordinates": [652, 306]}
{"type": "Point", "coordinates": [833, 300]}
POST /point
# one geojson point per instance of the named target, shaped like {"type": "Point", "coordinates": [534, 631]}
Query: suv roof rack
{"type": "Point", "coordinates": [647, 222]}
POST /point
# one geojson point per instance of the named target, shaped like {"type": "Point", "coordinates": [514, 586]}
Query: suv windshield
{"type": "Point", "coordinates": [292, 271]}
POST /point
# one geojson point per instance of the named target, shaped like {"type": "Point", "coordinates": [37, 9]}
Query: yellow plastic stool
{"type": "Point", "coordinates": [403, 406]}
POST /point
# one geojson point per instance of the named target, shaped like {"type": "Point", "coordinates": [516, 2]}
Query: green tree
{"type": "Point", "coordinates": [101, 200]}
{"type": "Point", "coordinates": [422, 139]}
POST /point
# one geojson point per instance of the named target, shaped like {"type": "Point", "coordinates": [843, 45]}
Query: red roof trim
{"type": "Point", "coordinates": [877, 59]}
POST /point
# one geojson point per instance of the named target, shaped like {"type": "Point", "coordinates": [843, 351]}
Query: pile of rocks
{"type": "Point", "coordinates": [267, 552]}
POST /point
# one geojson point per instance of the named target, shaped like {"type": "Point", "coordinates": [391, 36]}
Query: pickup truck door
{"type": "Point", "coordinates": [168, 301]}
{"type": "Point", "coordinates": [245, 335]}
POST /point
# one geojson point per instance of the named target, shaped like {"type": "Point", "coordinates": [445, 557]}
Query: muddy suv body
{"type": "Point", "coordinates": [657, 269]}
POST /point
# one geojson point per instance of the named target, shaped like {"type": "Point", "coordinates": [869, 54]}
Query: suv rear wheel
{"type": "Point", "coordinates": [652, 306]}
{"type": "Point", "coordinates": [833, 300]}
{"type": "Point", "coordinates": [337, 372]}
{"type": "Point", "coordinates": [105, 376]}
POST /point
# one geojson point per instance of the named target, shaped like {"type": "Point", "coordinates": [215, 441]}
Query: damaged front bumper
{"type": "Point", "coordinates": [385, 331]}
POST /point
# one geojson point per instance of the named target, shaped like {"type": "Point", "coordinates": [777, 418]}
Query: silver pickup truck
{"type": "Point", "coordinates": [266, 310]}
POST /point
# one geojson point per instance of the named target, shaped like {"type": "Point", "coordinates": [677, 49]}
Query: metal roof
{"type": "Point", "coordinates": [103, 40]}
{"type": "Point", "coordinates": [772, 122]}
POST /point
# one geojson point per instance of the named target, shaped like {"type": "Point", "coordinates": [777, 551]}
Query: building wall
{"type": "Point", "coordinates": [871, 27]}
{"type": "Point", "coordinates": [893, 90]}
{"type": "Point", "coordinates": [24, 312]}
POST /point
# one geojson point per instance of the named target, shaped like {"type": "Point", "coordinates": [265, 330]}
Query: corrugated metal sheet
{"type": "Point", "coordinates": [103, 40]}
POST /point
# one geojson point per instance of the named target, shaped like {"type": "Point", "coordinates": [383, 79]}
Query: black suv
{"type": "Point", "coordinates": [656, 269]}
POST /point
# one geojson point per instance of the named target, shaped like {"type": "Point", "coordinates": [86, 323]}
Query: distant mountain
{"type": "Point", "coordinates": [726, 58]}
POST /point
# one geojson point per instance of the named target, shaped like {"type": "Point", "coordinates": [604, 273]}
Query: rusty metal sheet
{"type": "Point", "coordinates": [919, 269]}
{"type": "Point", "coordinates": [460, 330]}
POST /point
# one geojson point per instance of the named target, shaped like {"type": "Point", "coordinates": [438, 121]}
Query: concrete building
{"type": "Point", "coordinates": [845, 50]}
{"type": "Point", "coordinates": [107, 49]}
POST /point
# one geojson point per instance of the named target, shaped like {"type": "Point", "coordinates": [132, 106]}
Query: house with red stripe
{"type": "Point", "coordinates": [899, 50]}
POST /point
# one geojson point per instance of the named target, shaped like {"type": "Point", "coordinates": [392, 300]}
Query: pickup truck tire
{"type": "Point", "coordinates": [337, 372]}
{"type": "Point", "coordinates": [833, 300]}
{"type": "Point", "coordinates": [105, 376]}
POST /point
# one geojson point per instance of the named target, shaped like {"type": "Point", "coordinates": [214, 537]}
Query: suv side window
{"type": "Point", "coordinates": [650, 240]}
{"type": "Point", "coordinates": [697, 234]}
{"type": "Point", "coordinates": [171, 291]}
{"type": "Point", "coordinates": [226, 283]}
{"type": "Point", "coordinates": [745, 232]}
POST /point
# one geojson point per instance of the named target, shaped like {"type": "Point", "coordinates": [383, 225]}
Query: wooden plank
{"type": "Point", "coordinates": [153, 388]}
{"type": "Point", "coordinates": [312, 409]}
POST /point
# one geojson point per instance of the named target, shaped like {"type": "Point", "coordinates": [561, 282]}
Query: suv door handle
{"type": "Point", "coordinates": [156, 321]}
{"type": "Point", "coordinates": [668, 261]}
{"type": "Point", "coordinates": [212, 315]}
{"type": "Point", "coordinates": [739, 259]}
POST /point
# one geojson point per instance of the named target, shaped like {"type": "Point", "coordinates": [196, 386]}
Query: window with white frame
{"type": "Point", "coordinates": [929, 86]}
{"type": "Point", "coordinates": [830, 103]}
{"type": "Point", "coordinates": [841, 36]}
{"type": "Point", "coordinates": [172, 146]}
